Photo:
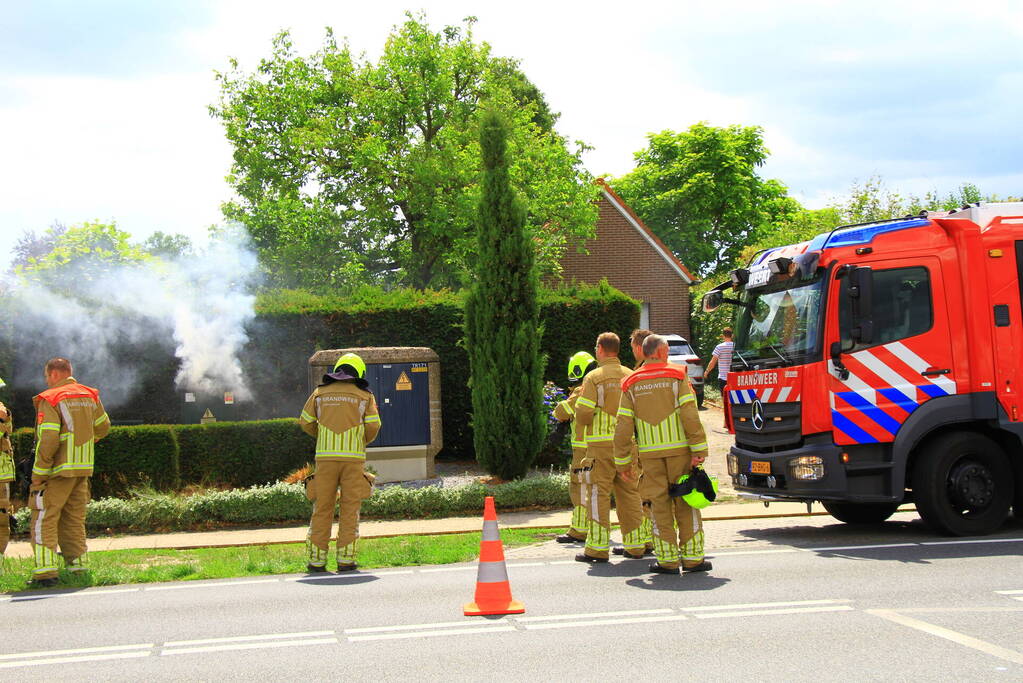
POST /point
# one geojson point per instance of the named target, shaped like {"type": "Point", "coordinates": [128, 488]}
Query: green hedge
{"type": "Point", "coordinates": [164, 457]}
{"type": "Point", "coordinates": [279, 502]}
{"type": "Point", "coordinates": [242, 453]}
{"type": "Point", "coordinates": [292, 325]}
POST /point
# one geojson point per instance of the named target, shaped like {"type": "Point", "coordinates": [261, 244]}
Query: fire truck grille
{"type": "Point", "coordinates": [781, 429]}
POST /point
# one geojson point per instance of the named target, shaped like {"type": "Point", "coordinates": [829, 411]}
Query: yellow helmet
{"type": "Point", "coordinates": [578, 365]}
{"type": "Point", "coordinates": [353, 361]}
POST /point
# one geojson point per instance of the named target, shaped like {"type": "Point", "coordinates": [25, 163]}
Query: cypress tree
{"type": "Point", "coordinates": [502, 321]}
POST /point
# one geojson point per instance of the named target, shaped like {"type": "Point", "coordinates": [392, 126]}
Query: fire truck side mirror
{"type": "Point", "coordinates": [861, 295]}
{"type": "Point", "coordinates": [712, 300]}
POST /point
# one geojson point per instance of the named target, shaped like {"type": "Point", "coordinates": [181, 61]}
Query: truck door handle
{"type": "Point", "coordinates": [934, 372]}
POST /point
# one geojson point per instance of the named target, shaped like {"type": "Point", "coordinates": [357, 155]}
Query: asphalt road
{"type": "Point", "coordinates": [800, 604]}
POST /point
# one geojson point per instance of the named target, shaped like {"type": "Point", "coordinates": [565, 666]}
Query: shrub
{"type": "Point", "coordinates": [152, 511]}
{"type": "Point", "coordinates": [242, 453]}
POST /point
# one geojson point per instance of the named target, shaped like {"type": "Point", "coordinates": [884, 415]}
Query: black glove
{"type": "Point", "coordinates": [23, 477]}
{"type": "Point", "coordinates": [12, 522]}
{"type": "Point", "coordinates": [698, 480]}
{"type": "Point", "coordinates": [557, 436]}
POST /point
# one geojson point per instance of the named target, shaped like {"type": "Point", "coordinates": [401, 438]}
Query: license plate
{"type": "Point", "coordinates": [760, 467]}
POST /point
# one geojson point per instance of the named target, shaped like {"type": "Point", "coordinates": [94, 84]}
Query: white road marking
{"type": "Point", "coordinates": [755, 552]}
{"type": "Point", "coordinates": [948, 634]}
{"type": "Point", "coordinates": [859, 547]}
{"type": "Point", "coordinates": [526, 564]}
{"type": "Point", "coordinates": [431, 634]}
{"type": "Point", "coordinates": [79, 651]}
{"type": "Point", "coordinates": [72, 660]}
{"type": "Point", "coordinates": [412, 627]}
{"type": "Point", "coordinates": [974, 540]}
{"type": "Point", "coordinates": [209, 585]}
{"type": "Point", "coordinates": [760, 605]}
{"type": "Point", "coordinates": [326, 577]}
{"type": "Point", "coordinates": [564, 562]}
{"type": "Point", "coordinates": [265, 636]}
{"type": "Point", "coordinates": [1020, 592]}
{"type": "Point", "coordinates": [251, 646]}
{"type": "Point", "coordinates": [38, 596]}
{"type": "Point", "coordinates": [765, 612]}
{"type": "Point", "coordinates": [605, 622]}
{"type": "Point", "coordinates": [590, 615]}
{"type": "Point", "coordinates": [447, 569]}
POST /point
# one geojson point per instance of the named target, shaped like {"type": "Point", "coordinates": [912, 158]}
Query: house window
{"type": "Point", "coordinates": [644, 316]}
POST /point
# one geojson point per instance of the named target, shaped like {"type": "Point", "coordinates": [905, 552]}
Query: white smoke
{"type": "Point", "coordinates": [197, 306]}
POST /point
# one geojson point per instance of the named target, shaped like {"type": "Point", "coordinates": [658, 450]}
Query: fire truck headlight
{"type": "Point", "coordinates": [807, 468]}
{"type": "Point", "coordinates": [733, 465]}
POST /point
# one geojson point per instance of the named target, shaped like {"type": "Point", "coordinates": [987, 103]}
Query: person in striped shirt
{"type": "Point", "coordinates": [722, 358]}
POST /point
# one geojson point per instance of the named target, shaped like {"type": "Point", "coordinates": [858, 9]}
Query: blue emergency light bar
{"type": "Point", "coordinates": [862, 234]}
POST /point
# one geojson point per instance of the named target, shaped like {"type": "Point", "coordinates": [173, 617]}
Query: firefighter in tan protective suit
{"type": "Point", "coordinates": [658, 409]}
{"type": "Point", "coordinates": [578, 365]}
{"type": "Point", "coordinates": [342, 414]}
{"type": "Point", "coordinates": [70, 419]}
{"type": "Point", "coordinates": [6, 479]}
{"type": "Point", "coordinates": [596, 409]}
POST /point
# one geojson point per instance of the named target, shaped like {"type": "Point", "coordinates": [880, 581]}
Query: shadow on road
{"type": "Point", "coordinates": [921, 544]}
{"type": "Point", "coordinates": [346, 580]}
{"type": "Point", "coordinates": [642, 577]}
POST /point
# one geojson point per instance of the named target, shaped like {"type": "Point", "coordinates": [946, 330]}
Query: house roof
{"type": "Point", "coordinates": [645, 232]}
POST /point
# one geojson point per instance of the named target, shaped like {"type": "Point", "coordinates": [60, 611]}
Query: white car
{"type": "Point", "coordinates": [679, 351]}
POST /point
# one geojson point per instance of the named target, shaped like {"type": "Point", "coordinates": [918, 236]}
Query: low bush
{"type": "Point", "coordinates": [153, 511]}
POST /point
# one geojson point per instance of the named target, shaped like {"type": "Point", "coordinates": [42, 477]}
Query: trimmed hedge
{"type": "Point", "coordinates": [292, 325]}
{"type": "Point", "coordinates": [280, 502]}
{"type": "Point", "coordinates": [164, 457]}
{"type": "Point", "coordinates": [242, 453]}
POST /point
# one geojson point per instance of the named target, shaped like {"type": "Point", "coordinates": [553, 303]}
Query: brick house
{"type": "Point", "coordinates": [634, 260]}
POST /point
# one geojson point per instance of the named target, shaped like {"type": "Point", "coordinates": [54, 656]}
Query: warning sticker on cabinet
{"type": "Point", "coordinates": [403, 383]}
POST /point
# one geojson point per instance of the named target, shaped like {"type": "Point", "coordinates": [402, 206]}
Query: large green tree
{"type": "Point", "coordinates": [80, 255]}
{"type": "Point", "coordinates": [699, 190]}
{"type": "Point", "coordinates": [502, 320]}
{"type": "Point", "coordinates": [350, 169]}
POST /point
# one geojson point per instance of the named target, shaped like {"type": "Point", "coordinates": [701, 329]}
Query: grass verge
{"type": "Point", "coordinates": [112, 567]}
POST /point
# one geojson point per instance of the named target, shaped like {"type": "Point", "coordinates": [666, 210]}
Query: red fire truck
{"type": "Point", "coordinates": [882, 363]}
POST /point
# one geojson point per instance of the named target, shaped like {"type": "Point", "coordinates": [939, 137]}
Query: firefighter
{"type": "Point", "coordinates": [342, 414]}
{"type": "Point", "coordinates": [578, 365]}
{"type": "Point", "coordinates": [6, 478]}
{"type": "Point", "coordinates": [646, 529]}
{"type": "Point", "coordinates": [658, 409]}
{"type": "Point", "coordinates": [595, 409]}
{"type": "Point", "coordinates": [70, 419]}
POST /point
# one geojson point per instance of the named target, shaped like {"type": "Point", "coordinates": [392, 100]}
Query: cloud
{"type": "Point", "coordinates": [108, 100]}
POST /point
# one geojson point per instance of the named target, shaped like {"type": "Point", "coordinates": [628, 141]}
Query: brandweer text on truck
{"type": "Point", "coordinates": [883, 363]}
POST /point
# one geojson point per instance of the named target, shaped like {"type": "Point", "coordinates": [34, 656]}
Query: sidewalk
{"type": "Point", "coordinates": [377, 529]}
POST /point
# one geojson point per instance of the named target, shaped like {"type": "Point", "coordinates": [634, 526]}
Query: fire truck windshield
{"type": "Point", "coordinates": [779, 324]}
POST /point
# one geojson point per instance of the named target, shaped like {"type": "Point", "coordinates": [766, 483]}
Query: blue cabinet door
{"type": "Point", "coordinates": [402, 392]}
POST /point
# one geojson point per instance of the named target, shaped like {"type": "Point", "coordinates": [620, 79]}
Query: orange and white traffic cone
{"type": "Point", "coordinates": [493, 592]}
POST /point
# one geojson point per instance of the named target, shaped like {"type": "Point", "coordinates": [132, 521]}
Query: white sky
{"type": "Point", "coordinates": [103, 104]}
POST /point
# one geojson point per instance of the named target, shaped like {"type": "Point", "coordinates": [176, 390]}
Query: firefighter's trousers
{"type": "Point", "coordinates": [58, 519]}
{"type": "Point", "coordinates": [678, 528]}
{"type": "Point", "coordinates": [6, 512]}
{"type": "Point", "coordinates": [334, 475]}
{"type": "Point", "coordinates": [601, 480]}
{"type": "Point", "coordinates": [578, 495]}
{"type": "Point", "coordinates": [647, 527]}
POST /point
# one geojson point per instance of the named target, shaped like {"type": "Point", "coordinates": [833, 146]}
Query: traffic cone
{"type": "Point", "coordinates": [493, 592]}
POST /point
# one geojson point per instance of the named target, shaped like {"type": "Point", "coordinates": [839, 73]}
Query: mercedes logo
{"type": "Point", "coordinates": [758, 415]}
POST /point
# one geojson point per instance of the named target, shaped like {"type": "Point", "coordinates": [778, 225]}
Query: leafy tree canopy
{"type": "Point", "coordinates": [349, 170]}
{"type": "Point", "coordinates": [700, 192]}
{"type": "Point", "coordinates": [82, 253]}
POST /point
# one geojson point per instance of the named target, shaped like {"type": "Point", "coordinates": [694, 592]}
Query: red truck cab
{"type": "Point", "coordinates": [879, 364]}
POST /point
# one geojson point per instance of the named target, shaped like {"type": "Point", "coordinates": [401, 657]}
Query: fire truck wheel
{"type": "Point", "coordinates": [860, 513]}
{"type": "Point", "coordinates": [963, 484]}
